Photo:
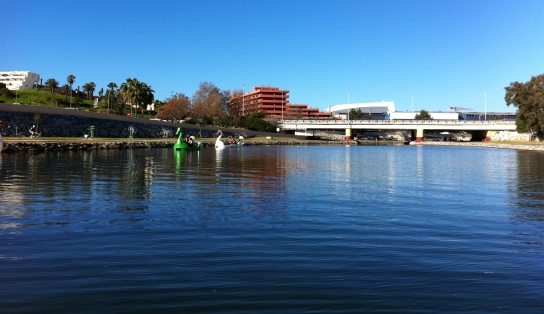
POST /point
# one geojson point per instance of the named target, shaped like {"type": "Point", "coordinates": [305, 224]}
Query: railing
{"type": "Point", "coordinates": [396, 121]}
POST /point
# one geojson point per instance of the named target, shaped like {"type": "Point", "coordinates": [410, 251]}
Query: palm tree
{"type": "Point", "coordinates": [136, 93]}
{"type": "Point", "coordinates": [65, 89]}
{"type": "Point", "coordinates": [71, 79]}
{"type": "Point", "coordinates": [146, 96]}
{"type": "Point", "coordinates": [126, 92]}
{"type": "Point", "coordinates": [52, 84]}
{"type": "Point", "coordinates": [89, 89]}
{"type": "Point", "coordinates": [111, 85]}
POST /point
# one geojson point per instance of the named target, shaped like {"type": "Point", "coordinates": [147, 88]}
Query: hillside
{"type": "Point", "coordinates": [45, 99]}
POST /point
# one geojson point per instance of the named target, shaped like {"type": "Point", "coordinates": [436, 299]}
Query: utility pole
{"type": "Point", "coordinates": [348, 104]}
{"type": "Point", "coordinates": [485, 105]}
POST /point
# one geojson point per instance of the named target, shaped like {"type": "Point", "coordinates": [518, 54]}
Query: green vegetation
{"type": "Point", "coordinates": [358, 114]}
{"type": "Point", "coordinates": [423, 114]}
{"type": "Point", "coordinates": [208, 106]}
{"type": "Point", "coordinates": [42, 98]}
{"type": "Point", "coordinates": [528, 97]}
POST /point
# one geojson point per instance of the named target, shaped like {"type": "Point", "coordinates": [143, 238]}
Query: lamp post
{"type": "Point", "coordinates": [485, 105]}
{"type": "Point", "coordinates": [243, 105]}
{"type": "Point", "coordinates": [348, 104]}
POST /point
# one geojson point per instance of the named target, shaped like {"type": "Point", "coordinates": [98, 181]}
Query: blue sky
{"type": "Point", "coordinates": [444, 53]}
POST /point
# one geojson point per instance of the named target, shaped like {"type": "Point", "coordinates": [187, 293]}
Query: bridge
{"type": "Point", "coordinates": [482, 128]}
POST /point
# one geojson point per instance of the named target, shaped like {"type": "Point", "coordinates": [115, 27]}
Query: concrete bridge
{"type": "Point", "coordinates": [478, 128]}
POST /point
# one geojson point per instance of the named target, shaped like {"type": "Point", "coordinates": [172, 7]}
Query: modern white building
{"type": "Point", "coordinates": [19, 80]}
{"type": "Point", "coordinates": [434, 115]}
{"type": "Point", "coordinates": [373, 108]}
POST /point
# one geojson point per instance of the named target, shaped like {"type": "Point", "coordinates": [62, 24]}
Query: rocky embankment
{"type": "Point", "coordinates": [13, 146]}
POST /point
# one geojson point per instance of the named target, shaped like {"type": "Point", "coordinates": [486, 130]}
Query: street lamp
{"type": "Point", "coordinates": [485, 105]}
{"type": "Point", "coordinates": [348, 105]}
{"type": "Point", "coordinates": [243, 105]}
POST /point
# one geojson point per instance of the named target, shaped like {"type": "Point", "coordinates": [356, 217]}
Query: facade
{"type": "Point", "coordinates": [19, 80]}
{"type": "Point", "coordinates": [375, 109]}
{"type": "Point", "coordinates": [273, 102]}
{"type": "Point", "coordinates": [434, 115]}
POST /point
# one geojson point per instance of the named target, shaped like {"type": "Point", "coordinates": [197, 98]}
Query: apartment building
{"type": "Point", "coordinates": [273, 102]}
{"type": "Point", "coordinates": [19, 80]}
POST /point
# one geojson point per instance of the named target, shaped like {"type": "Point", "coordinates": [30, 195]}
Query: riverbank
{"type": "Point", "coordinates": [18, 144]}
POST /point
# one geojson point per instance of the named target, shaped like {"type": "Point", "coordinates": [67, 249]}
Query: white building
{"type": "Point", "coordinates": [18, 80]}
{"type": "Point", "coordinates": [434, 115]}
{"type": "Point", "coordinates": [373, 108]}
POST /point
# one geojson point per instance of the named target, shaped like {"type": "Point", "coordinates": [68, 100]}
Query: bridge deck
{"type": "Point", "coordinates": [461, 125]}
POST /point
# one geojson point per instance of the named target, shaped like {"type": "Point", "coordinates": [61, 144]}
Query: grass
{"type": "Point", "coordinates": [45, 99]}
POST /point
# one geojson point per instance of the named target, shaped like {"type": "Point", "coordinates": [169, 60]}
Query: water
{"type": "Point", "coordinates": [273, 229]}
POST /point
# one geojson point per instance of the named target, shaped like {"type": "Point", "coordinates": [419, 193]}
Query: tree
{"type": "Point", "coordinates": [209, 103]}
{"type": "Point", "coordinates": [146, 96]}
{"type": "Point", "coordinates": [4, 91]}
{"type": "Point", "coordinates": [177, 107]}
{"type": "Point", "coordinates": [65, 90]}
{"type": "Point", "coordinates": [89, 89]}
{"type": "Point", "coordinates": [257, 122]}
{"type": "Point", "coordinates": [70, 80]}
{"type": "Point", "coordinates": [112, 85]}
{"type": "Point", "coordinates": [114, 102]}
{"type": "Point", "coordinates": [236, 103]}
{"type": "Point", "coordinates": [136, 94]}
{"type": "Point", "coordinates": [358, 114]}
{"type": "Point", "coordinates": [51, 84]}
{"type": "Point", "coordinates": [423, 114]}
{"type": "Point", "coordinates": [111, 93]}
{"type": "Point", "coordinates": [528, 97]}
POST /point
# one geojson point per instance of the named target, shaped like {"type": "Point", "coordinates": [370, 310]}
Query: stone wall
{"type": "Point", "coordinates": [501, 136]}
{"type": "Point", "coordinates": [60, 122]}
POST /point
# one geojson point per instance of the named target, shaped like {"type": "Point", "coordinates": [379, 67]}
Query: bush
{"type": "Point", "coordinates": [256, 122]}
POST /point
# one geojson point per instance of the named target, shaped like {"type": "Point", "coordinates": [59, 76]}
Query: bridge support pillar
{"type": "Point", "coordinates": [488, 136]}
{"type": "Point", "coordinates": [419, 135]}
{"type": "Point", "coordinates": [348, 135]}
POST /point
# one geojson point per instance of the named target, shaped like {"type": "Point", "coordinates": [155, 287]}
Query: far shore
{"type": "Point", "coordinates": [26, 143]}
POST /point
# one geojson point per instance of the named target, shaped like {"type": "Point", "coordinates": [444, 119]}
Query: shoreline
{"type": "Point", "coordinates": [14, 145]}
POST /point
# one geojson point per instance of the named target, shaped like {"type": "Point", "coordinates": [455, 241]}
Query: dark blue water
{"type": "Point", "coordinates": [273, 229]}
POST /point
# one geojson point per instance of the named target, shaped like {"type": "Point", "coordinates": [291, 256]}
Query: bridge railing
{"type": "Point", "coordinates": [396, 121]}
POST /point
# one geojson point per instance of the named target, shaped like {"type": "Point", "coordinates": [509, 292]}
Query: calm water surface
{"type": "Point", "coordinates": [273, 229]}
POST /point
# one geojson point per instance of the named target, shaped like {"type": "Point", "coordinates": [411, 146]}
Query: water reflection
{"type": "Point", "coordinates": [180, 159]}
{"type": "Point", "coordinates": [265, 179]}
{"type": "Point", "coordinates": [530, 186]}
